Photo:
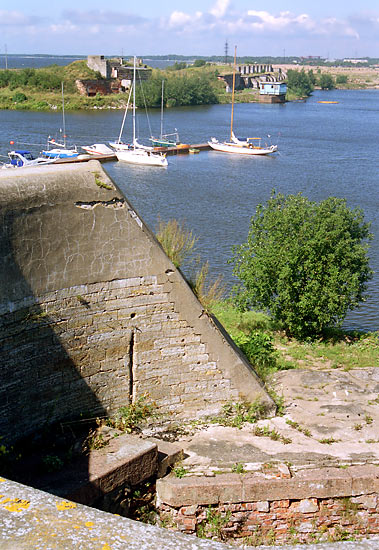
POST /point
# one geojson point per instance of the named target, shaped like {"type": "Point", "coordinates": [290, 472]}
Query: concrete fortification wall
{"type": "Point", "coordinates": [92, 312]}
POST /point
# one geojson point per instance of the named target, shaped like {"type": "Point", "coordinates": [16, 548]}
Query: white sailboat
{"type": "Point", "coordinates": [137, 153]}
{"type": "Point", "coordinates": [165, 140]}
{"type": "Point", "coordinates": [60, 150]}
{"type": "Point", "coordinates": [246, 146]}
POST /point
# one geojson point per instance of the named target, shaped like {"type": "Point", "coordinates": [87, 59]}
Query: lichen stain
{"type": "Point", "coordinates": [15, 505]}
{"type": "Point", "coordinates": [2, 480]}
{"type": "Point", "coordinates": [65, 505]}
{"type": "Point", "coordinates": [106, 547]}
{"type": "Point", "coordinates": [89, 524]}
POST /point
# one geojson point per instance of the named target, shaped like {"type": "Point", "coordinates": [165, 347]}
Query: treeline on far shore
{"type": "Point", "coordinates": [185, 85]}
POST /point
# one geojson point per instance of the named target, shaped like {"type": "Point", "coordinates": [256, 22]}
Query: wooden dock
{"type": "Point", "coordinates": [182, 149]}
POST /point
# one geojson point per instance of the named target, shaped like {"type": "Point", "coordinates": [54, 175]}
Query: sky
{"type": "Point", "coordinates": [327, 28]}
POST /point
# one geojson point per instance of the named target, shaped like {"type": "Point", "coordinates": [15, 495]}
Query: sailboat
{"type": "Point", "coordinates": [137, 153]}
{"type": "Point", "coordinates": [60, 150]}
{"type": "Point", "coordinates": [119, 145]}
{"type": "Point", "coordinates": [246, 146]}
{"type": "Point", "coordinates": [165, 140]}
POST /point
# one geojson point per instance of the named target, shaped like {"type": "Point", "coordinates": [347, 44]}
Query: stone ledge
{"type": "Point", "coordinates": [127, 459]}
{"type": "Point", "coordinates": [320, 483]}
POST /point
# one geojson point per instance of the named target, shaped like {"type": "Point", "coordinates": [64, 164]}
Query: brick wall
{"type": "Point", "coordinates": [328, 504]}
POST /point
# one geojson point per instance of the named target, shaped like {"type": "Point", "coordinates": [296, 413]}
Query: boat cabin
{"type": "Point", "coordinates": [18, 158]}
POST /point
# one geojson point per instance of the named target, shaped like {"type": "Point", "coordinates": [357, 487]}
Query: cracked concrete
{"type": "Point", "coordinates": [338, 409]}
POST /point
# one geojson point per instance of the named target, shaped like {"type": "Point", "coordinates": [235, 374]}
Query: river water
{"type": "Point", "coordinates": [324, 150]}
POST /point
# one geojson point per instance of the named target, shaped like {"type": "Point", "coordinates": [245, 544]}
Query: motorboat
{"type": "Point", "coordinates": [98, 149]}
{"type": "Point", "coordinates": [22, 158]}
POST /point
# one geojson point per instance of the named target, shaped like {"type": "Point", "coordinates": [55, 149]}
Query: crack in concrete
{"type": "Point", "coordinates": [114, 203]}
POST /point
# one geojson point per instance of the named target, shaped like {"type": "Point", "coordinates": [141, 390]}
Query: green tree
{"type": "Point", "coordinates": [304, 262]}
{"type": "Point", "coordinates": [199, 63]}
{"type": "Point", "coordinates": [341, 79]}
{"type": "Point", "coordinates": [299, 83]}
{"type": "Point", "coordinates": [326, 82]}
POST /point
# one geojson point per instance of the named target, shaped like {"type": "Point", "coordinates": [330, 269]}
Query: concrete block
{"type": "Point", "coordinates": [191, 490]}
{"type": "Point", "coordinates": [365, 479]}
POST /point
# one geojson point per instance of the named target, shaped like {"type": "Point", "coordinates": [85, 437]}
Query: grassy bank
{"type": "Point", "coordinates": [40, 89]}
{"type": "Point", "coordinates": [338, 349]}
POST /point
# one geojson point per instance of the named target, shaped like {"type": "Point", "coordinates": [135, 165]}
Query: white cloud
{"type": "Point", "coordinates": [256, 31]}
{"type": "Point", "coordinates": [220, 8]}
{"type": "Point", "coordinates": [179, 19]}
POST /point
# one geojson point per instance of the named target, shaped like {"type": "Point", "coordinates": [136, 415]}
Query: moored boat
{"type": "Point", "coordinates": [22, 158]}
{"type": "Point", "coordinates": [137, 153]}
{"type": "Point", "coordinates": [98, 149]}
{"type": "Point", "coordinates": [246, 146]}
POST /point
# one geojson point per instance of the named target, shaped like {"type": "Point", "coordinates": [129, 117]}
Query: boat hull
{"type": "Point", "coordinates": [60, 153]}
{"type": "Point", "coordinates": [242, 150]}
{"type": "Point", "coordinates": [142, 157]}
{"type": "Point", "coordinates": [98, 149]}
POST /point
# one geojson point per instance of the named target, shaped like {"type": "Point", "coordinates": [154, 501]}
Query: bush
{"type": "Point", "coordinates": [326, 82]}
{"type": "Point", "coordinates": [199, 63]}
{"type": "Point", "coordinates": [304, 262]}
{"type": "Point", "coordinates": [341, 79]}
{"type": "Point", "coordinates": [259, 349]}
{"type": "Point", "coordinates": [177, 241]}
{"type": "Point", "coordinates": [19, 97]}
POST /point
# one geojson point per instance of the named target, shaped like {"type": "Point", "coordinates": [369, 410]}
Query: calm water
{"type": "Point", "coordinates": [37, 61]}
{"type": "Point", "coordinates": [324, 150]}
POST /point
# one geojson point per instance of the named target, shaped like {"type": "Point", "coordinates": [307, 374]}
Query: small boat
{"type": "Point", "coordinates": [137, 153]}
{"type": "Point", "coordinates": [60, 150]}
{"type": "Point", "coordinates": [193, 151]}
{"type": "Point", "coordinates": [246, 146]}
{"type": "Point", "coordinates": [328, 102]}
{"type": "Point", "coordinates": [165, 140]}
{"type": "Point", "coordinates": [23, 158]}
{"type": "Point", "coordinates": [98, 149]}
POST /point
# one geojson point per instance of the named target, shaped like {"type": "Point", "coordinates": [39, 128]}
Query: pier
{"type": "Point", "coordinates": [181, 149]}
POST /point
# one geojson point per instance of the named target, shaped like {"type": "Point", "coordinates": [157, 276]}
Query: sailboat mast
{"type": "Point", "coordinates": [162, 109]}
{"type": "Point", "coordinates": [64, 122]}
{"type": "Point", "coordinates": [134, 101]}
{"type": "Point", "coordinates": [124, 117]}
{"type": "Point", "coordinates": [234, 85]}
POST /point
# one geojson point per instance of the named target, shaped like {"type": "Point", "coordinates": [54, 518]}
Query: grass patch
{"type": "Point", "coordinates": [236, 414]}
{"type": "Point", "coordinates": [337, 348]}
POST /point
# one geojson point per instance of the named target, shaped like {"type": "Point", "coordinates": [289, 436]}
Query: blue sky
{"type": "Point", "coordinates": [334, 28]}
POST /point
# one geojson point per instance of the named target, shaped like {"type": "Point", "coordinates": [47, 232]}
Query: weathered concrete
{"type": "Point", "coordinates": [308, 475]}
{"type": "Point", "coordinates": [34, 520]}
{"type": "Point", "coordinates": [92, 312]}
{"type": "Point", "coordinates": [325, 483]}
{"type": "Point", "coordinates": [126, 460]}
